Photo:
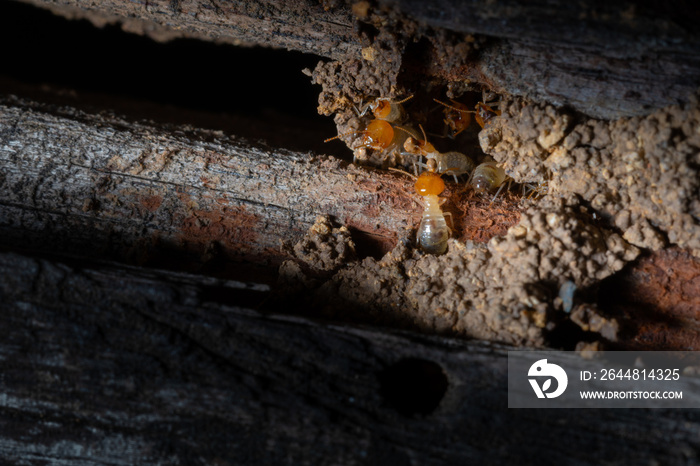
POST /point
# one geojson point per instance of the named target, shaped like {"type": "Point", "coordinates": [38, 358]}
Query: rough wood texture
{"type": "Point", "coordinates": [104, 187]}
{"type": "Point", "coordinates": [606, 60]}
{"type": "Point", "coordinates": [303, 25]}
{"type": "Point", "coordinates": [100, 186]}
{"type": "Point", "coordinates": [109, 365]}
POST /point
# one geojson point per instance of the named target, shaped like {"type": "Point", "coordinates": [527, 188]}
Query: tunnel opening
{"type": "Point", "coordinates": [223, 87]}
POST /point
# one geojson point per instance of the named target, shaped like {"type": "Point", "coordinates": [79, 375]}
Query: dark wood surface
{"type": "Point", "coordinates": [101, 186]}
{"type": "Point", "coordinates": [604, 59]}
{"type": "Point", "coordinates": [106, 364]}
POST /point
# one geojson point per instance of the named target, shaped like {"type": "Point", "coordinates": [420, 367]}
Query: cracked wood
{"type": "Point", "coordinates": [106, 364]}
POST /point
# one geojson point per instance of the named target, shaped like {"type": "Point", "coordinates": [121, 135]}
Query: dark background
{"type": "Point", "coordinates": [252, 92]}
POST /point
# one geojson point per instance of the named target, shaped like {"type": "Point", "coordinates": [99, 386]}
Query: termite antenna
{"type": "Point", "coordinates": [404, 100]}
{"type": "Point", "coordinates": [425, 138]}
{"type": "Point", "coordinates": [343, 135]}
{"type": "Point", "coordinates": [405, 131]}
{"type": "Point", "coordinates": [398, 170]}
{"type": "Point", "coordinates": [453, 107]}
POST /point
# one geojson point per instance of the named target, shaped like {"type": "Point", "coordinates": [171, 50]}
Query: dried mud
{"type": "Point", "coordinates": [399, 58]}
{"type": "Point", "coordinates": [641, 175]}
{"type": "Point", "coordinates": [504, 290]}
{"type": "Point", "coordinates": [609, 192]}
{"type": "Point", "coordinates": [614, 189]}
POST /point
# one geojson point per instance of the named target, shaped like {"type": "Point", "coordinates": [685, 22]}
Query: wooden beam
{"type": "Point", "coordinates": [105, 364]}
{"type": "Point", "coordinates": [101, 186]}
{"type": "Point", "coordinates": [605, 60]}
{"type": "Point", "coordinates": [304, 25]}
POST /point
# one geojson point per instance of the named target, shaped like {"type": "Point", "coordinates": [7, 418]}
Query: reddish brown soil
{"type": "Point", "coordinates": [657, 301]}
{"type": "Point", "coordinates": [480, 217]}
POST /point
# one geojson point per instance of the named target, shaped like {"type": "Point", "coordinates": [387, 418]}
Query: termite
{"type": "Point", "coordinates": [380, 135]}
{"type": "Point", "coordinates": [536, 190]}
{"type": "Point", "coordinates": [487, 177]}
{"type": "Point", "coordinates": [451, 163]}
{"type": "Point", "coordinates": [485, 114]}
{"type": "Point", "coordinates": [433, 231]}
{"type": "Point", "coordinates": [457, 116]}
{"type": "Point", "coordinates": [386, 109]}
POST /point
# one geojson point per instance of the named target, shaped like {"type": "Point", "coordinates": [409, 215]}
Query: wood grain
{"type": "Point", "coordinates": [101, 186]}
{"type": "Point", "coordinates": [98, 185]}
{"type": "Point", "coordinates": [607, 60]}
{"type": "Point", "coordinates": [105, 364]}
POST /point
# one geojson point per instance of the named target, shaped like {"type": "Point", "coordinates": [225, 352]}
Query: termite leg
{"type": "Point", "coordinates": [452, 222]}
{"type": "Point", "coordinates": [451, 171]}
{"type": "Point", "coordinates": [498, 192]}
{"type": "Point", "coordinates": [361, 113]}
{"type": "Point", "coordinates": [421, 165]}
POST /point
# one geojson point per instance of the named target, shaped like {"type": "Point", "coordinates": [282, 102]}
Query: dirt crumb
{"type": "Point", "coordinates": [324, 248]}
{"type": "Point", "coordinates": [641, 174]}
{"type": "Point", "coordinates": [506, 290]}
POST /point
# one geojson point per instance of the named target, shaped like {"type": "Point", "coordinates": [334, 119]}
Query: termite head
{"type": "Point", "coordinates": [419, 146]}
{"type": "Point", "coordinates": [378, 134]}
{"type": "Point", "coordinates": [381, 109]}
{"type": "Point", "coordinates": [429, 183]}
{"type": "Point", "coordinates": [485, 114]}
{"type": "Point", "coordinates": [411, 145]}
{"type": "Point", "coordinates": [457, 116]}
{"type": "Point", "coordinates": [388, 110]}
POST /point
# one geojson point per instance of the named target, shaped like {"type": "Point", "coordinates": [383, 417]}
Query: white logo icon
{"type": "Point", "coordinates": [543, 369]}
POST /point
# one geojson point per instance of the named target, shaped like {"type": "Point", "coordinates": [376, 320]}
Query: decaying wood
{"type": "Point", "coordinates": [304, 25]}
{"type": "Point", "coordinates": [100, 186]}
{"type": "Point", "coordinates": [103, 187]}
{"type": "Point", "coordinates": [103, 364]}
{"type": "Point", "coordinates": [605, 59]}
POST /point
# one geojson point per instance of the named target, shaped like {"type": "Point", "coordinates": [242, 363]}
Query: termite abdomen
{"type": "Point", "coordinates": [487, 176]}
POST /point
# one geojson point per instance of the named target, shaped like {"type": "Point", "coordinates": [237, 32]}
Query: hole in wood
{"type": "Point", "coordinates": [413, 386]}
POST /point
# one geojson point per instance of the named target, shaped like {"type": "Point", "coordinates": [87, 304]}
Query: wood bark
{"type": "Point", "coordinates": [105, 364]}
{"type": "Point", "coordinates": [100, 186]}
{"type": "Point", "coordinates": [303, 25]}
{"type": "Point", "coordinates": [605, 60]}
